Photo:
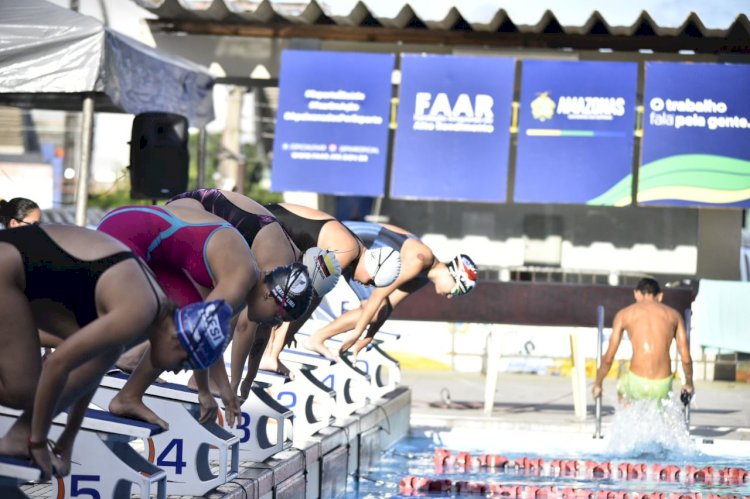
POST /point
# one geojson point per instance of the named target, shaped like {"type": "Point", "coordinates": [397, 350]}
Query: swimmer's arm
{"type": "Point", "coordinates": [374, 302]}
{"type": "Point", "coordinates": [49, 340]}
{"type": "Point", "coordinates": [232, 404]}
{"type": "Point", "coordinates": [377, 322]}
{"type": "Point", "coordinates": [209, 407]}
{"type": "Point", "coordinates": [75, 417]}
{"type": "Point", "coordinates": [109, 332]}
{"type": "Point", "coordinates": [234, 269]}
{"type": "Point", "coordinates": [683, 347]}
{"type": "Point", "coordinates": [378, 299]}
{"type": "Point", "coordinates": [609, 356]}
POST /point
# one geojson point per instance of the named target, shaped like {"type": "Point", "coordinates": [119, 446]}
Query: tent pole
{"type": "Point", "coordinates": [87, 133]}
{"type": "Point", "coordinates": [202, 139]}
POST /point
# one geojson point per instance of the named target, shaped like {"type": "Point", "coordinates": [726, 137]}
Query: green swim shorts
{"type": "Point", "coordinates": [634, 387]}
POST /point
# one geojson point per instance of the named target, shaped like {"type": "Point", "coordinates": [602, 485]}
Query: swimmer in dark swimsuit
{"type": "Point", "coordinates": [97, 298]}
{"type": "Point", "coordinates": [311, 228]}
{"type": "Point", "coordinates": [419, 267]}
{"type": "Point", "coordinates": [271, 247]}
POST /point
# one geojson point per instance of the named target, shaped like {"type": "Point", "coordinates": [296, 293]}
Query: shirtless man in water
{"type": "Point", "coordinates": [651, 327]}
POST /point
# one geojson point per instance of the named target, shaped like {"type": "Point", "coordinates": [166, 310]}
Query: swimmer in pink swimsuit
{"type": "Point", "coordinates": [197, 256]}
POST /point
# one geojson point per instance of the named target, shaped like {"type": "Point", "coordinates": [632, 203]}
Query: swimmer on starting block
{"type": "Point", "coordinates": [651, 327]}
{"type": "Point", "coordinates": [272, 247]}
{"type": "Point", "coordinates": [96, 297]}
{"type": "Point", "coordinates": [343, 252]}
{"type": "Point", "coordinates": [197, 256]}
{"type": "Point", "coordinates": [418, 268]}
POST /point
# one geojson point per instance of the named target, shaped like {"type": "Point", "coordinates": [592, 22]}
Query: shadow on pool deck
{"type": "Point", "coordinates": [719, 410]}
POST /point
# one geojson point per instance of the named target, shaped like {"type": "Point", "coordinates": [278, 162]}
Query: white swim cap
{"type": "Point", "coordinates": [464, 271]}
{"type": "Point", "coordinates": [323, 267]}
{"type": "Point", "coordinates": [383, 265]}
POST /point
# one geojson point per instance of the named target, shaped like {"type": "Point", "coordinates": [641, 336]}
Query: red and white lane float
{"type": "Point", "coordinates": [415, 485]}
{"type": "Point", "coordinates": [447, 462]}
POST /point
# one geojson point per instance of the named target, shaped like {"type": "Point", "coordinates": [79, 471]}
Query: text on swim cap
{"type": "Point", "coordinates": [212, 327]}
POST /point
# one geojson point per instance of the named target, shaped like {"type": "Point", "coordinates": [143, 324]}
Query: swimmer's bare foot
{"type": "Point", "coordinates": [129, 360]}
{"type": "Point", "coordinates": [15, 443]}
{"type": "Point", "coordinates": [136, 409]}
{"type": "Point", "coordinates": [211, 386]}
{"type": "Point", "coordinates": [268, 363]}
{"type": "Point", "coordinates": [314, 345]}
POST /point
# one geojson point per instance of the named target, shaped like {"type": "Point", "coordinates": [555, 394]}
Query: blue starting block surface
{"type": "Point", "coordinates": [18, 470]}
{"type": "Point", "coordinates": [106, 421]}
{"type": "Point", "coordinates": [185, 451]}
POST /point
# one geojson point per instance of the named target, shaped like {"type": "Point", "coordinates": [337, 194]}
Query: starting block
{"type": "Point", "coordinates": [182, 451]}
{"type": "Point", "coordinates": [350, 384]}
{"type": "Point", "coordinates": [312, 402]}
{"type": "Point", "coordinates": [322, 317]}
{"type": "Point", "coordinates": [260, 415]}
{"type": "Point", "coordinates": [384, 371]}
{"type": "Point", "coordinates": [103, 462]}
{"type": "Point", "coordinates": [264, 428]}
{"type": "Point", "coordinates": [14, 473]}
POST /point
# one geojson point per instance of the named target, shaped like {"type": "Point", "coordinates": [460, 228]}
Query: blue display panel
{"type": "Point", "coordinates": [332, 122]}
{"type": "Point", "coordinates": [576, 132]}
{"type": "Point", "coordinates": [696, 147]}
{"type": "Point", "coordinates": [452, 139]}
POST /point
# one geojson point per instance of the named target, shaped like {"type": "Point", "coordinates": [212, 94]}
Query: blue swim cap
{"type": "Point", "coordinates": [204, 331]}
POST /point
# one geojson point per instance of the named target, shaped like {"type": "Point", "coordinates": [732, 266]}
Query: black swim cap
{"type": "Point", "coordinates": [291, 287]}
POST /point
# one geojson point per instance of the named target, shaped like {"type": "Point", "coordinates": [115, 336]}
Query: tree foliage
{"type": "Point", "coordinates": [119, 193]}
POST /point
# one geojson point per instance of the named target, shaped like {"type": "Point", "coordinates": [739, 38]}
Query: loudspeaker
{"type": "Point", "coordinates": [159, 156]}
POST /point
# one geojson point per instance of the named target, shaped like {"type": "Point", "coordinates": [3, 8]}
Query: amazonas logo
{"type": "Point", "coordinates": [576, 107]}
{"type": "Point", "coordinates": [543, 107]}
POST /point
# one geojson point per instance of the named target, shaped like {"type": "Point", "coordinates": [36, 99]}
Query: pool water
{"type": "Point", "coordinates": [638, 435]}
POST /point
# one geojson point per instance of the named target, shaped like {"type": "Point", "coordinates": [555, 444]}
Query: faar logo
{"type": "Point", "coordinates": [463, 107]}
{"type": "Point", "coordinates": [543, 107]}
{"type": "Point", "coordinates": [466, 113]}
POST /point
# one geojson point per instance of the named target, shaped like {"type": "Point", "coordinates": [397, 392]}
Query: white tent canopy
{"type": "Point", "coordinates": [55, 58]}
{"type": "Point", "coordinates": [52, 57]}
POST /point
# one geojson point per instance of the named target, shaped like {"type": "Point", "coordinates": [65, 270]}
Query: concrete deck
{"type": "Point", "coordinates": [719, 409]}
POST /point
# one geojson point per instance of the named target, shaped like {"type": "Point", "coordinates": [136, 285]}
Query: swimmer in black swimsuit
{"type": "Point", "coordinates": [272, 248]}
{"type": "Point", "coordinates": [310, 228]}
{"type": "Point", "coordinates": [93, 294]}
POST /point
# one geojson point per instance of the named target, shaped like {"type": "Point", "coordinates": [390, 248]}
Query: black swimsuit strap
{"type": "Point", "coordinates": [149, 277]}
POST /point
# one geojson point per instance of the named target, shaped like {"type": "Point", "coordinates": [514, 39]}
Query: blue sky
{"type": "Point", "coordinates": [714, 13]}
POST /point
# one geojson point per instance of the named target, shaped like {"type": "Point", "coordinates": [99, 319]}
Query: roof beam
{"type": "Point", "coordinates": [669, 44]}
